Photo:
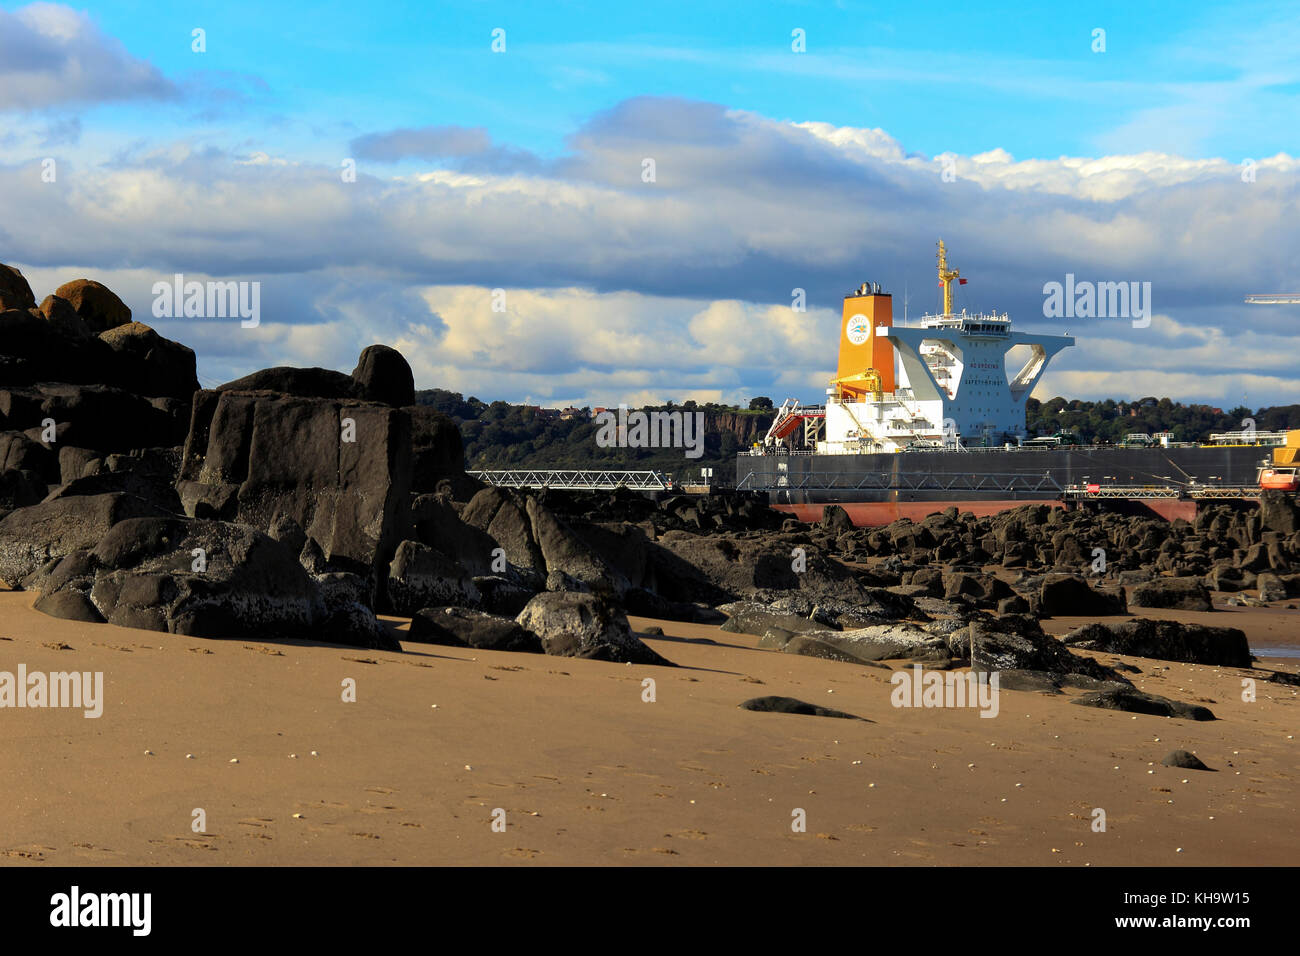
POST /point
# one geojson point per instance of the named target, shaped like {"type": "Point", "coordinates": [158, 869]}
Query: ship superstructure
{"type": "Point", "coordinates": [939, 382]}
{"type": "Point", "coordinates": [924, 415]}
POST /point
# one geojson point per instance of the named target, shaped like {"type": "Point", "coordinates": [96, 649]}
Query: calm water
{"type": "Point", "coordinates": [1276, 651]}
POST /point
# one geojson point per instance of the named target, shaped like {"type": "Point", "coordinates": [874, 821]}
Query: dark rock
{"type": "Point", "coordinates": [70, 605]}
{"type": "Point", "coordinates": [152, 364]}
{"type": "Point", "coordinates": [1019, 643]}
{"type": "Point", "coordinates": [348, 617]}
{"type": "Point", "coordinates": [1066, 595]}
{"type": "Point", "coordinates": [1166, 640]}
{"type": "Point", "coordinates": [421, 577]}
{"type": "Point", "coordinates": [1184, 760]}
{"type": "Point", "coordinates": [585, 625]}
{"type": "Point", "coordinates": [15, 293]}
{"type": "Point", "coordinates": [383, 375]}
{"type": "Point", "coordinates": [288, 532]}
{"type": "Point", "coordinates": [748, 617]}
{"type": "Point", "coordinates": [1185, 594]}
{"type": "Point", "coordinates": [298, 382]}
{"type": "Point", "coordinates": [563, 551]}
{"type": "Point", "coordinates": [871, 644]}
{"type": "Point", "coordinates": [503, 517]}
{"type": "Point", "coordinates": [1277, 512]}
{"type": "Point", "coordinates": [459, 627]}
{"type": "Point", "coordinates": [253, 457]}
{"type": "Point", "coordinates": [789, 705]}
{"type": "Point", "coordinates": [97, 305]}
{"type": "Point", "coordinates": [1134, 701]}
{"type": "Point", "coordinates": [64, 318]}
{"type": "Point", "coordinates": [836, 519]}
{"type": "Point", "coordinates": [437, 452]}
{"type": "Point", "coordinates": [498, 595]}
{"type": "Point", "coordinates": [29, 537]}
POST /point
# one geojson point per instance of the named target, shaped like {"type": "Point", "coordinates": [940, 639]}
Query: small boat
{"type": "Point", "coordinates": [1280, 478]}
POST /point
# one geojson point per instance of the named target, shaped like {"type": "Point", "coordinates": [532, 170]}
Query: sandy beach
{"type": "Point", "coordinates": [588, 772]}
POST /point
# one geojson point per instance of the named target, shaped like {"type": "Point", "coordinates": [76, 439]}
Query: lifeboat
{"type": "Point", "coordinates": [1279, 479]}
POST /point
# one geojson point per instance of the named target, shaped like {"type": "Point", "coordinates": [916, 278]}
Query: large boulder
{"type": "Point", "coordinates": [585, 625]}
{"type": "Point", "coordinates": [1166, 641]}
{"type": "Point", "coordinates": [30, 537]}
{"type": "Point", "coordinates": [15, 293]}
{"type": "Point", "coordinates": [869, 645]}
{"type": "Point", "coordinates": [421, 577]}
{"type": "Point", "coordinates": [64, 318]}
{"type": "Point", "coordinates": [207, 579]}
{"type": "Point", "coordinates": [156, 366]}
{"type": "Point", "coordinates": [340, 469]}
{"type": "Point", "coordinates": [1184, 594]}
{"type": "Point", "coordinates": [383, 375]}
{"type": "Point", "coordinates": [33, 349]}
{"type": "Point", "coordinates": [1069, 595]}
{"type": "Point", "coordinates": [461, 627]}
{"type": "Point", "coordinates": [97, 304]}
{"type": "Point", "coordinates": [564, 552]}
{"type": "Point", "coordinates": [299, 382]}
{"type": "Point", "coordinates": [1018, 643]}
{"type": "Point", "coordinates": [1277, 512]}
{"type": "Point", "coordinates": [504, 518]}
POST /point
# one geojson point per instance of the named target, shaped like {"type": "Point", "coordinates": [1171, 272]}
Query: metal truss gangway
{"type": "Point", "coordinates": [569, 479]}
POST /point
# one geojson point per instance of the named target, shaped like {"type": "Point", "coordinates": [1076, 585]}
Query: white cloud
{"type": "Point", "coordinates": [51, 54]}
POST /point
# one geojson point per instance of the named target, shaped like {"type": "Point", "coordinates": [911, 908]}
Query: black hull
{"type": "Point", "coordinates": [994, 475]}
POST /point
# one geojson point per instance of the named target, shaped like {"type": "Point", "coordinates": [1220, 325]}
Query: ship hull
{"type": "Point", "coordinates": [877, 489]}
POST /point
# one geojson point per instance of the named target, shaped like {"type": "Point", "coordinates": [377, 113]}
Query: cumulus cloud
{"type": "Point", "coordinates": [470, 147]}
{"type": "Point", "coordinates": [52, 55]}
{"type": "Point", "coordinates": [681, 285]}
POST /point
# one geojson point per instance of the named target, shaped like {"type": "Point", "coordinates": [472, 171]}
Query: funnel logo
{"type": "Point", "coordinates": [859, 330]}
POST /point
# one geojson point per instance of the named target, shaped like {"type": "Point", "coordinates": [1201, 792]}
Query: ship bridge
{"type": "Point", "coordinates": [941, 381]}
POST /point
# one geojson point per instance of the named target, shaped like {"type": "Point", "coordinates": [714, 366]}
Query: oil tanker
{"type": "Point", "coordinates": [924, 415]}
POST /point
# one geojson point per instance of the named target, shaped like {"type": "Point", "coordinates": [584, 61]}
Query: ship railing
{"type": "Point", "coordinates": [902, 481]}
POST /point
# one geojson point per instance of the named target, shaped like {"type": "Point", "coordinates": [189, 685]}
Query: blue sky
{"type": "Point", "coordinates": [520, 170]}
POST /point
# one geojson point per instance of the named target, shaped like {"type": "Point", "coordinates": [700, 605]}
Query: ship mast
{"type": "Point", "coordinates": [946, 276]}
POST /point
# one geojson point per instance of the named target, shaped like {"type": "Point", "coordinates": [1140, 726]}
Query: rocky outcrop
{"type": "Point", "coordinates": [155, 365]}
{"type": "Point", "coordinates": [1184, 594]}
{"type": "Point", "coordinates": [421, 577]}
{"type": "Point", "coordinates": [461, 627]}
{"type": "Point", "coordinates": [340, 469]}
{"type": "Point", "coordinates": [15, 293]}
{"type": "Point", "coordinates": [31, 537]}
{"type": "Point", "coordinates": [1068, 595]}
{"type": "Point", "coordinates": [1166, 641]}
{"type": "Point", "coordinates": [383, 375]}
{"type": "Point", "coordinates": [98, 306]}
{"type": "Point", "coordinates": [585, 625]}
{"type": "Point", "coordinates": [204, 579]}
